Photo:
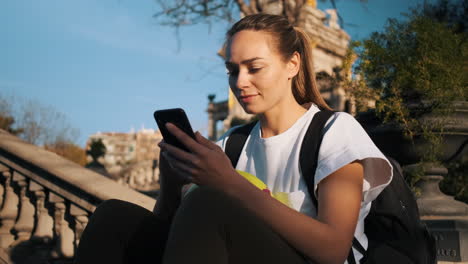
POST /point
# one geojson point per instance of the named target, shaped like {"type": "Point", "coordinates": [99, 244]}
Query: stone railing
{"type": "Point", "coordinates": [46, 201]}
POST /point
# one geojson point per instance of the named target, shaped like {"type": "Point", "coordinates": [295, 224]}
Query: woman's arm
{"type": "Point", "coordinates": [325, 240]}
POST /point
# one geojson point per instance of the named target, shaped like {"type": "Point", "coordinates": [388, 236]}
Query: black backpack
{"type": "Point", "coordinates": [393, 227]}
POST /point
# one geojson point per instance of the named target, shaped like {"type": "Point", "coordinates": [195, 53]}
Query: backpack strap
{"type": "Point", "coordinates": [308, 157]}
{"type": "Point", "coordinates": [236, 142]}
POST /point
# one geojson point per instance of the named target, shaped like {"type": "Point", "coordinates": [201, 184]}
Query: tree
{"type": "Point", "coordinates": [7, 122]}
{"type": "Point", "coordinates": [415, 67]}
{"type": "Point", "coordinates": [43, 125]}
{"type": "Point", "coordinates": [182, 12]}
{"type": "Point", "coordinates": [34, 122]}
{"type": "Point", "coordinates": [40, 125]}
{"type": "Point", "coordinates": [96, 149]}
{"type": "Point", "coordinates": [69, 151]}
{"type": "Point", "coordinates": [414, 61]}
{"type": "Point", "coordinates": [451, 13]}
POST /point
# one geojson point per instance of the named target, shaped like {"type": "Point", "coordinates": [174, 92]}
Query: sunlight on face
{"type": "Point", "coordinates": [258, 76]}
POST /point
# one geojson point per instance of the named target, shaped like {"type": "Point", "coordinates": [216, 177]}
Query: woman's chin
{"type": "Point", "coordinates": [250, 109]}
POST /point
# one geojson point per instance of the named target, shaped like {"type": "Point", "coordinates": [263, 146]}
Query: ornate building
{"type": "Point", "coordinates": [330, 44]}
{"type": "Point", "coordinates": [131, 158]}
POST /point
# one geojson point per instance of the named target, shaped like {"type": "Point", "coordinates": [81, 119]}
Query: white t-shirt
{"type": "Point", "coordinates": [275, 161]}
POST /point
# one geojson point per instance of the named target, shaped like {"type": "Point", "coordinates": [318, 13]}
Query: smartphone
{"type": "Point", "coordinates": [177, 117]}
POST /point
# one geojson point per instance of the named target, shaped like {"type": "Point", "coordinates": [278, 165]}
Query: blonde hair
{"type": "Point", "coordinates": [289, 40]}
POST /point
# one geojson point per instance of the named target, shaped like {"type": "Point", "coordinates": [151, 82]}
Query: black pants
{"type": "Point", "coordinates": [209, 227]}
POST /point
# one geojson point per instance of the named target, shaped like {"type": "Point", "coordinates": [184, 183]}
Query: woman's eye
{"type": "Point", "coordinates": [254, 70]}
{"type": "Point", "coordinates": [231, 72]}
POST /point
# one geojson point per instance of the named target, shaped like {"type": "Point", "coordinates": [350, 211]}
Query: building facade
{"type": "Point", "coordinates": [131, 158]}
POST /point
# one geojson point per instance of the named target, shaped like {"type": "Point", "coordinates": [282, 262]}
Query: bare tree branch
{"type": "Point", "coordinates": [244, 8]}
{"type": "Point", "coordinates": [254, 6]}
{"type": "Point", "coordinates": [179, 13]}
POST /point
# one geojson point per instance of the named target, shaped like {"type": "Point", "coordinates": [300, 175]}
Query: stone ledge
{"type": "Point", "coordinates": [69, 180]}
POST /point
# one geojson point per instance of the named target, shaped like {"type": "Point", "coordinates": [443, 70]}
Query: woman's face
{"type": "Point", "coordinates": [258, 76]}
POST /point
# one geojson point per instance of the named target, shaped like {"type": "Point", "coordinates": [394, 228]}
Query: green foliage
{"type": "Point", "coordinates": [416, 66]}
{"type": "Point", "coordinates": [7, 123]}
{"type": "Point", "coordinates": [361, 93]}
{"type": "Point", "coordinates": [456, 183]}
{"type": "Point", "coordinates": [96, 149]}
{"type": "Point", "coordinates": [413, 175]}
{"type": "Point", "coordinates": [413, 67]}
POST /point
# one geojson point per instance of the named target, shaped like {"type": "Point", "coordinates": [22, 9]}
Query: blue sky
{"type": "Point", "coordinates": [107, 65]}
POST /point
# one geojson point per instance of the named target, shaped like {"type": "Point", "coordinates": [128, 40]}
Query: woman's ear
{"type": "Point", "coordinates": [294, 64]}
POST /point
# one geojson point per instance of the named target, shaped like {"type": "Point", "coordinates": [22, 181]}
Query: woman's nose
{"type": "Point", "coordinates": [242, 80]}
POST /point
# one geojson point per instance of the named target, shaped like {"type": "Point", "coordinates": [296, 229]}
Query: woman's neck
{"type": "Point", "coordinates": [280, 119]}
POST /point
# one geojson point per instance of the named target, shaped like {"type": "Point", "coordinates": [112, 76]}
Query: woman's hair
{"type": "Point", "coordinates": [288, 39]}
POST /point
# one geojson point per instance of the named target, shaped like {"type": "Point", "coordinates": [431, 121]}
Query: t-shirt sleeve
{"type": "Point", "coordinates": [346, 141]}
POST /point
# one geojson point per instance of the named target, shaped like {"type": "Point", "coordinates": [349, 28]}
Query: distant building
{"type": "Point", "coordinates": [131, 158]}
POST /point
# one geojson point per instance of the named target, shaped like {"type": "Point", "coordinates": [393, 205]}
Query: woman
{"type": "Point", "coordinates": [229, 220]}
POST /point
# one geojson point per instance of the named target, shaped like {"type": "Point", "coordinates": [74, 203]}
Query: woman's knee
{"type": "Point", "coordinates": [110, 208]}
{"type": "Point", "coordinates": [206, 197]}
{"type": "Point", "coordinates": [116, 211]}
{"type": "Point", "coordinates": [204, 202]}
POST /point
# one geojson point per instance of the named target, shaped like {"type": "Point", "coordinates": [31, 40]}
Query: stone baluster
{"type": "Point", "coordinates": [81, 220]}
{"type": "Point", "coordinates": [25, 224]}
{"type": "Point", "coordinates": [8, 213]}
{"type": "Point", "coordinates": [63, 233]}
{"type": "Point", "coordinates": [2, 188]}
{"type": "Point", "coordinates": [44, 231]}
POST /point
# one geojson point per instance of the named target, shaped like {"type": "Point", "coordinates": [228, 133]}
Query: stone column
{"type": "Point", "coordinates": [45, 223]}
{"type": "Point", "coordinates": [64, 235]}
{"type": "Point", "coordinates": [211, 121]}
{"type": "Point", "coordinates": [8, 213]}
{"type": "Point", "coordinates": [3, 169]}
{"type": "Point", "coordinates": [446, 218]}
{"type": "Point", "coordinates": [81, 220]}
{"type": "Point", "coordinates": [25, 224]}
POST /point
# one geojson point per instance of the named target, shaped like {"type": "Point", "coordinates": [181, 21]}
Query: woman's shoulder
{"type": "Point", "coordinates": [346, 141]}
{"type": "Point", "coordinates": [344, 135]}
{"type": "Point", "coordinates": [344, 123]}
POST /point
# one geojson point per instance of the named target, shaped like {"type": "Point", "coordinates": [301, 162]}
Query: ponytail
{"type": "Point", "coordinates": [304, 86]}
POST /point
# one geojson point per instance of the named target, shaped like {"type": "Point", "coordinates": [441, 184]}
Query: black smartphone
{"type": "Point", "coordinates": [177, 117]}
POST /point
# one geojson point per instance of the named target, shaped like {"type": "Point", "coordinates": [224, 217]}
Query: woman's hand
{"type": "Point", "coordinates": [205, 164]}
{"type": "Point", "coordinates": [170, 181]}
{"type": "Point", "coordinates": [171, 184]}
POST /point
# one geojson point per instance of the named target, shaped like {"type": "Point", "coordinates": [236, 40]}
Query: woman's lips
{"type": "Point", "coordinates": [248, 98]}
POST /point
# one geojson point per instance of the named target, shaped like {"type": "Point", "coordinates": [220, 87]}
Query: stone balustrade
{"type": "Point", "coordinates": [46, 202]}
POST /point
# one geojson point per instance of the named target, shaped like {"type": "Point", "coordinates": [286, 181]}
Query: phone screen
{"type": "Point", "coordinates": [177, 117]}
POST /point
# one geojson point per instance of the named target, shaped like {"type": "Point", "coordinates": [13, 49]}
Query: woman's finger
{"type": "Point", "coordinates": [185, 139]}
{"type": "Point", "coordinates": [177, 153]}
{"type": "Point", "coordinates": [205, 142]}
{"type": "Point", "coordinates": [179, 167]}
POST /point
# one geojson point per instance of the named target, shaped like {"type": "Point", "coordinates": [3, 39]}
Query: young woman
{"type": "Point", "coordinates": [226, 219]}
